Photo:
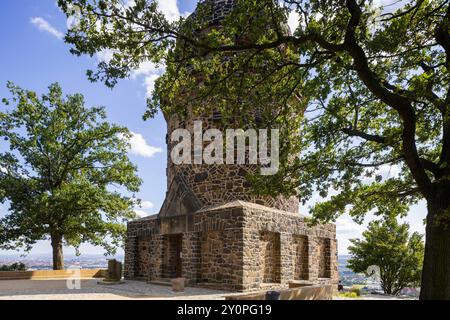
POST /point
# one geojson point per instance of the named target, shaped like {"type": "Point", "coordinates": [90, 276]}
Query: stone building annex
{"type": "Point", "coordinates": [214, 233]}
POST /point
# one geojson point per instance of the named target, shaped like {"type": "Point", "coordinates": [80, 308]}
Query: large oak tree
{"type": "Point", "coordinates": [63, 169]}
{"type": "Point", "coordinates": [370, 88]}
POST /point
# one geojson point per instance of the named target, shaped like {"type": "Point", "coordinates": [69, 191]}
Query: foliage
{"type": "Point", "coordinates": [350, 295]}
{"type": "Point", "coordinates": [361, 76]}
{"type": "Point", "coordinates": [369, 88]}
{"type": "Point", "coordinates": [58, 176]}
{"type": "Point", "coordinates": [17, 266]}
{"type": "Point", "coordinates": [388, 245]}
{"type": "Point", "coordinates": [356, 290]}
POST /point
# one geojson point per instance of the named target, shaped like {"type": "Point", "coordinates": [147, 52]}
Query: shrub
{"type": "Point", "coordinates": [351, 295]}
{"type": "Point", "coordinates": [356, 290]}
{"type": "Point", "coordinates": [18, 266]}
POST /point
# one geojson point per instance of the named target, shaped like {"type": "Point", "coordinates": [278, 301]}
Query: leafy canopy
{"type": "Point", "coordinates": [62, 173]}
{"type": "Point", "coordinates": [368, 87]}
{"type": "Point", "coordinates": [16, 266]}
{"type": "Point", "coordinates": [388, 245]}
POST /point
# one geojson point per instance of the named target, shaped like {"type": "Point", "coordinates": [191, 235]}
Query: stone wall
{"type": "Point", "coordinates": [214, 231]}
{"type": "Point", "coordinates": [212, 261]}
{"type": "Point", "coordinates": [191, 257]}
{"type": "Point", "coordinates": [144, 257]}
{"type": "Point", "coordinates": [300, 258]}
{"type": "Point", "coordinates": [171, 249]}
{"type": "Point", "coordinates": [221, 244]}
{"type": "Point", "coordinates": [269, 257]}
{"type": "Point", "coordinates": [323, 257]}
{"type": "Point", "coordinates": [291, 228]}
{"type": "Point", "coordinates": [237, 246]}
{"type": "Point", "coordinates": [218, 183]}
{"type": "Point", "coordinates": [143, 250]}
{"type": "Point", "coordinates": [215, 184]}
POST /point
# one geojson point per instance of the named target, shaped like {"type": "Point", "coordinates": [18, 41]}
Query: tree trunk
{"type": "Point", "coordinates": [58, 257]}
{"type": "Point", "coordinates": [436, 266]}
{"type": "Point", "coordinates": [387, 288]}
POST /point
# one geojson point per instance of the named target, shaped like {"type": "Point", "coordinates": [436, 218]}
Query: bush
{"type": "Point", "coordinates": [388, 245]}
{"type": "Point", "coordinates": [18, 266]}
{"type": "Point", "coordinates": [356, 290]}
{"type": "Point", "coordinates": [351, 295]}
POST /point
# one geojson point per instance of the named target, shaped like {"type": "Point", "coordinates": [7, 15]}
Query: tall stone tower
{"type": "Point", "coordinates": [214, 232]}
{"type": "Point", "coordinates": [207, 185]}
{"type": "Point", "coordinates": [194, 186]}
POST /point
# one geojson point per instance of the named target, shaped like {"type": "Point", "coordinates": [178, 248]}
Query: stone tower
{"type": "Point", "coordinates": [214, 232]}
{"type": "Point", "coordinates": [208, 185]}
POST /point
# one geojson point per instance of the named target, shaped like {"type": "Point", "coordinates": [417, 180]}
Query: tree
{"type": "Point", "coordinates": [58, 174]}
{"type": "Point", "coordinates": [370, 88]}
{"type": "Point", "coordinates": [16, 266]}
{"type": "Point", "coordinates": [388, 245]}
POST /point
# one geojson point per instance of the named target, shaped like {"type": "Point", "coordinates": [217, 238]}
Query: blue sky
{"type": "Point", "coordinates": [33, 55]}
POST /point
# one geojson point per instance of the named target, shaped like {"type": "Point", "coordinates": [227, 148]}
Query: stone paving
{"type": "Point", "coordinates": [90, 290]}
{"type": "Point", "coordinates": [376, 297]}
{"type": "Point", "coordinates": [130, 290]}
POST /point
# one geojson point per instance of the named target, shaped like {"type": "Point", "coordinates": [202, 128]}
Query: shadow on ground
{"type": "Point", "coordinates": [90, 290]}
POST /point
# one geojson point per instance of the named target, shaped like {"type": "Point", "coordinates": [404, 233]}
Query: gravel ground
{"type": "Point", "coordinates": [90, 290]}
{"type": "Point", "coordinates": [130, 290]}
{"type": "Point", "coordinates": [375, 297]}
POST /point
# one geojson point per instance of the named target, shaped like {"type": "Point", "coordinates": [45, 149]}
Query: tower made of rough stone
{"type": "Point", "coordinates": [213, 231]}
{"type": "Point", "coordinates": [214, 184]}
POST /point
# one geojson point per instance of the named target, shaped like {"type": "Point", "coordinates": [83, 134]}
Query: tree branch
{"type": "Point", "coordinates": [365, 136]}
{"type": "Point", "coordinates": [399, 103]}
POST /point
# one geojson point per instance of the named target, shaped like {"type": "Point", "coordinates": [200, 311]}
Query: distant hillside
{"type": "Point", "coordinates": [44, 261]}
{"type": "Point", "coordinates": [347, 276]}
{"type": "Point", "coordinates": [86, 261]}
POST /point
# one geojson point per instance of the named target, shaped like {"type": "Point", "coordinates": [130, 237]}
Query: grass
{"type": "Point", "coordinates": [349, 295]}
{"type": "Point", "coordinates": [353, 293]}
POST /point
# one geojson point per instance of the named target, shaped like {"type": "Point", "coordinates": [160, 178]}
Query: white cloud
{"type": "Point", "coordinates": [147, 205]}
{"type": "Point", "coordinates": [347, 229]}
{"type": "Point", "coordinates": [293, 20]}
{"type": "Point", "coordinates": [139, 147]}
{"type": "Point", "coordinates": [3, 169]}
{"type": "Point", "coordinates": [170, 9]}
{"type": "Point", "coordinates": [416, 216]}
{"type": "Point", "coordinates": [150, 83]}
{"type": "Point", "coordinates": [145, 68]}
{"type": "Point", "coordinates": [141, 210]}
{"type": "Point", "coordinates": [345, 225]}
{"type": "Point", "coordinates": [74, 20]}
{"type": "Point", "coordinates": [129, 3]}
{"type": "Point", "coordinates": [150, 72]}
{"type": "Point", "coordinates": [141, 213]}
{"type": "Point", "coordinates": [44, 25]}
{"type": "Point", "coordinates": [318, 16]}
{"type": "Point", "coordinates": [388, 171]}
{"type": "Point", "coordinates": [105, 55]}
{"type": "Point", "coordinates": [417, 227]}
{"type": "Point", "coordinates": [388, 3]}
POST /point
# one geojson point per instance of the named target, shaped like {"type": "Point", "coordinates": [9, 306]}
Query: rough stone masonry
{"type": "Point", "coordinates": [214, 233]}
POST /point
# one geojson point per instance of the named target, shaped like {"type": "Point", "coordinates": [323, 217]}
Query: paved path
{"type": "Point", "coordinates": [90, 290]}
{"type": "Point", "coordinates": [375, 297]}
